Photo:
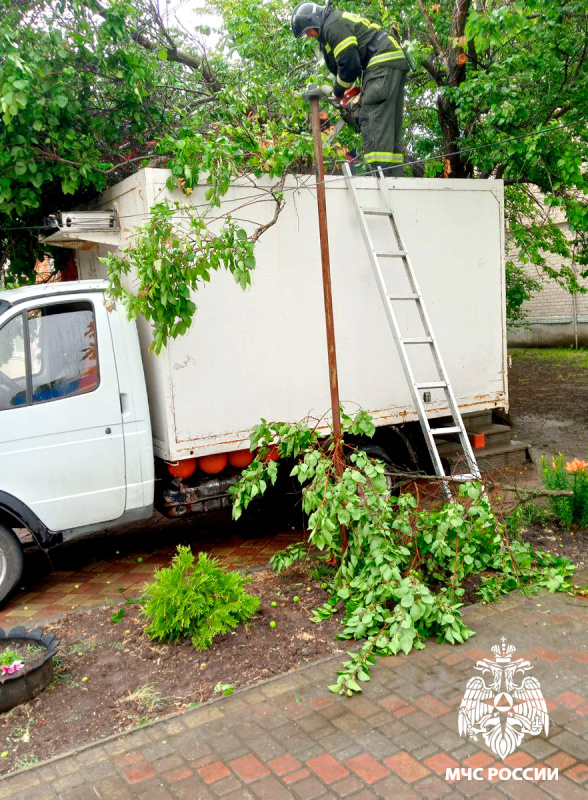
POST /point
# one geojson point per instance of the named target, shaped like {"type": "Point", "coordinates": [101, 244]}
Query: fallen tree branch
{"type": "Point", "coordinates": [530, 494]}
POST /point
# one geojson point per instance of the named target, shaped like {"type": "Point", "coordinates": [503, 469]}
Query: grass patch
{"type": "Point", "coordinates": [569, 356]}
{"type": "Point", "coordinates": [527, 514]}
{"type": "Point", "coordinates": [82, 647]}
{"type": "Point", "coordinates": [145, 697]}
{"type": "Point", "coordinates": [61, 676]}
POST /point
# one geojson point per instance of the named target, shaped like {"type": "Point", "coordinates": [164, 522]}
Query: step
{"type": "Point", "coordinates": [478, 418]}
{"type": "Point", "coordinates": [514, 453]}
{"type": "Point", "coordinates": [495, 434]}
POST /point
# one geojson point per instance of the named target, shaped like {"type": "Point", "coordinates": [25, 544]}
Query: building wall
{"type": "Point", "coordinates": [550, 313]}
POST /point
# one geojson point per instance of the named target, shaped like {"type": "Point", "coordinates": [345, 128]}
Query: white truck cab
{"type": "Point", "coordinates": [75, 436]}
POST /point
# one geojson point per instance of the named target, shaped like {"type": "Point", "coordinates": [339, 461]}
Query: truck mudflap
{"type": "Point", "coordinates": [180, 499]}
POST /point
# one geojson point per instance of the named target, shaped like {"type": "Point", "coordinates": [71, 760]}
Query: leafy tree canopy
{"type": "Point", "coordinates": [92, 91]}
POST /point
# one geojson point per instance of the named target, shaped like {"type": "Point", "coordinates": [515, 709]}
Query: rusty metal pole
{"type": "Point", "coordinates": [313, 94]}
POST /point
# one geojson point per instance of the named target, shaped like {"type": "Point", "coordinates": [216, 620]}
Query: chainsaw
{"type": "Point", "coordinates": [347, 107]}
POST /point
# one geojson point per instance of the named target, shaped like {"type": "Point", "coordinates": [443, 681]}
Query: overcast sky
{"type": "Point", "coordinates": [188, 14]}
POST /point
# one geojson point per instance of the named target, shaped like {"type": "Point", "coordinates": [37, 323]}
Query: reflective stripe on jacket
{"type": "Point", "coordinates": [351, 44]}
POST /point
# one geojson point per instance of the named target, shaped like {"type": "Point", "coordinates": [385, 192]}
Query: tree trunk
{"type": "Point", "coordinates": [455, 165]}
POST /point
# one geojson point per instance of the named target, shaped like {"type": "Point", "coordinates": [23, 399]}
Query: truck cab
{"type": "Point", "coordinates": [75, 436]}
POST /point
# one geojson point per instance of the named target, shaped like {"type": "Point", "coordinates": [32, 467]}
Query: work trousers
{"type": "Point", "coordinates": [380, 118]}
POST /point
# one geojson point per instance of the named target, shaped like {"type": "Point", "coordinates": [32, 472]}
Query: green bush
{"type": "Point", "coordinates": [573, 476]}
{"type": "Point", "coordinates": [196, 599]}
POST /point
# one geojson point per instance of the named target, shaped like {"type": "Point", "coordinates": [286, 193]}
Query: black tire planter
{"type": "Point", "coordinates": [25, 684]}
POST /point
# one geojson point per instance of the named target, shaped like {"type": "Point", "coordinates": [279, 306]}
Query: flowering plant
{"type": "Point", "coordinates": [573, 476]}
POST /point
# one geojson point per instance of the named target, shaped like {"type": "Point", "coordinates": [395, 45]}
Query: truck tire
{"type": "Point", "coordinates": [11, 561]}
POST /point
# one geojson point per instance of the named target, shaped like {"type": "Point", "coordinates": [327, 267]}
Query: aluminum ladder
{"type": "Point", "coordinates": [404, 343]}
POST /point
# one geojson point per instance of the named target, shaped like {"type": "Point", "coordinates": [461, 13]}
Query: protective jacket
{"type": "Point", "coordinates": [352, 45]}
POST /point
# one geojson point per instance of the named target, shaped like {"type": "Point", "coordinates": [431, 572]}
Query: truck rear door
{"type": "Point", "coordinates": [61, 430]}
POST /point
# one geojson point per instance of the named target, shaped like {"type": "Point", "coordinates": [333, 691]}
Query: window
{"type": "Point", "coordinates": [62, 355]}
{"type": "Point", "coordinates": [13, 381]}
{"type": "Point", "coordinates": [63, 351]}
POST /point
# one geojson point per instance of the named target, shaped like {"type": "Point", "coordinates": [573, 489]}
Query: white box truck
{"type": "Point", "coordinates": [88, 416]}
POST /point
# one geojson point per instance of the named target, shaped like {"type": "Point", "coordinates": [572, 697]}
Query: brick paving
{"type": "Point", "coordinates": [290, 739]}
{"type": "Point", "coordinates": [114, 566]}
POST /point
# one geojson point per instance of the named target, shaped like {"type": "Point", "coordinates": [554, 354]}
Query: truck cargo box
{"type": "Point", "coordinates": [262, 352]}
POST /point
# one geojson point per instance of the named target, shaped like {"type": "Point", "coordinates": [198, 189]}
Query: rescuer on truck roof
{"type": "Point", "coordinates": [353, 47]}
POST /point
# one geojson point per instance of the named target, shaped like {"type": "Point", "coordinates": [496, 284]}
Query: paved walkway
{"type": "Point", "coordinates": [290, 739]}
{"type": "Point", "coordinates": [114, 566]}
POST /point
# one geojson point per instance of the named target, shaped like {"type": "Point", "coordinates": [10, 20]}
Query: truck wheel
{"type": "Point", "coordinates": [375, 451]}
{"type": "Point", "coordinates": [11, 561]}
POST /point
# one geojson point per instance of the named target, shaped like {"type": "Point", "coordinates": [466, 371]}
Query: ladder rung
{"type": "Point", "coordinates": [419, 340]}
{"type": "Point", "coordinates": [404, 297]}
{"type": "Point", "coordinates": [444, 431]}
{"type": "Point", "coordinates": [392, 254]}
{"type": "Point", "coordinates": [432, 385]}
{"type": "Point", "coordinates": [383, 211]}
{"type": "Point", "coordinates": [465, 476]}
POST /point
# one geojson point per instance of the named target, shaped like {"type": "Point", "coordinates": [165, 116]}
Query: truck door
{"type": "Point", "coordinates": [61, 430]}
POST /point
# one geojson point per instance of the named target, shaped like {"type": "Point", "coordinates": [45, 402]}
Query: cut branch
{"type": "Point", "coordinates": [529, 494]}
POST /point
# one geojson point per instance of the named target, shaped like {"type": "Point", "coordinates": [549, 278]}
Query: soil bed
{"type": "Point", "coordinates": [554, 539]}
{"type": "Point", "coordinates": [110, 677]}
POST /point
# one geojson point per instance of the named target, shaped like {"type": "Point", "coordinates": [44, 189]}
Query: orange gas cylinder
{"type": "Point", "coordinates": [273, 453]}
{"type": "Point", "coordinates": [213, 464]}
{"type": "Point", "coordinates": [182, 469]}
{"type": "Point", "coordinates": [240, 458]}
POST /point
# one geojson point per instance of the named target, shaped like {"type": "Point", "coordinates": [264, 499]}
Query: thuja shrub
{"type": "Point", "coordinates": [196, 599]}
{"type": "Point", "coordinates": [400, 579]}
{"type": "Point", "coordinates": [573, 476]}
